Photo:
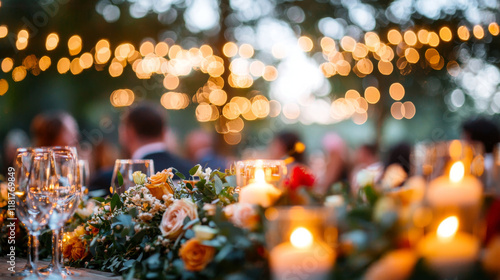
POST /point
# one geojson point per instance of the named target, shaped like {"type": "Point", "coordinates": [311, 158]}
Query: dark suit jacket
{"type": "Point", "coordinates": [164, 160]}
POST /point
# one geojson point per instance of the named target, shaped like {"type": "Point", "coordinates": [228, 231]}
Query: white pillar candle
{"type": "Point", "coordinates": [448, 252]}
{"type": "Point", "coordinates": [259, 192]}
{"type": "Point", "coordinates": [301, 258]}
{"type": "Point", "coordinates": [455, 190]}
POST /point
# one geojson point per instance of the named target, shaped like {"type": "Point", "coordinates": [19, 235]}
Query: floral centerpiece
{"type": "Point", "coordinates": [162, 230]}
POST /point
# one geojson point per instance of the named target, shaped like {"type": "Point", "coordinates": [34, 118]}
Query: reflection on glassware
{"type": "Point", "coordinates": [34, 193]}
{"type": "Point", "coordinates": [127, 167]}
{"type": "Point", "coordinates": [274, 171]}
{"type": "Point", "coordinates": [67, 192]}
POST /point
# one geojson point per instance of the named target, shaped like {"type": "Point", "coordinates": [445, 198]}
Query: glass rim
{"type": "Point", "coordinates": [133, 160]}
{"type": "Point", "coordinates": [264, 161]}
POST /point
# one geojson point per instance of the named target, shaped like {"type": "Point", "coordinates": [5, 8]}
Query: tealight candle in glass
{"type": "Point", "coordinates": [449, 251]}
{"type": "Point", "coordinates": [300, 242]}
{"type": "Point", "coordinates": [259, 181]}
{"type": "Point", "coordinates": [457, 192]}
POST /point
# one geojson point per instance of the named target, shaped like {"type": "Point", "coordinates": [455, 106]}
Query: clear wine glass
{"type": "Point", "coordinates": [22, 165]}
{"type": "Point", "coordinates": [33, 189]}
{"type": "Point", "coordinates": [68, 193]}
{"type": "Point", "coordinates": [127, 167]}
{"type": "Point", "coordinates": [57, 244]}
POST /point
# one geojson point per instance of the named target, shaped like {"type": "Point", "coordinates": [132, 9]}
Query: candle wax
{"type": "Point", "coordinates": [312, 263]}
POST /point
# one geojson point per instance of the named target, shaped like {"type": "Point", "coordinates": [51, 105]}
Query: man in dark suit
{"type": "Point", "coordinates": [142, 132]}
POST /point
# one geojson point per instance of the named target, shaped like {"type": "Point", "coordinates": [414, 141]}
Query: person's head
{"type": "Point", "coordinates": [287, 144]}
{"type": "Point", "coordinates": [366, 154]}
{"type": "Point", "coordinates": [198, 143]}
{"type": "Point", "coordinates": [400, 154]}
{"type": "Point", "coordinates": [142, 124]}
{"type": "Point", "coordinates": [55, 128]}
{"type": "Point", "coordinates": [482, 130]}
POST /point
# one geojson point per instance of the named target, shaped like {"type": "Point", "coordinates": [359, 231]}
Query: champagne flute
{"type": "Point", "coordinates": [127, 167]}
{"type": "Point", "coordinates": [33, 190]}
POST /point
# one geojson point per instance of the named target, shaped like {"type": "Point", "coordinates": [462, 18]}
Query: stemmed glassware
{"type": "Point", "coordinates": [126, 167]}
{"type": "Point", "coordinates": [34, 189]}
{"type": "Point", "coordinates": [67, 197]}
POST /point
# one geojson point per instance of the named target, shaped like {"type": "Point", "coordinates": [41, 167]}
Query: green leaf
{"type": "Point", "coordinates": [120, 178]}
{"type": "Point", "coordinates": [217, 184]}
{"type": "Point", "coordinates": [231, 180]}
{"type": "Point", "coordinates": [193, 170]}
{"type": "Point", "coordinates": [180, 175]}
{"type": "Point", "coordinates": [100, 199]}
{"type": "Point", "coordinates": [190, 223]}
{"type": "Point", "coordinates": [115, 201]}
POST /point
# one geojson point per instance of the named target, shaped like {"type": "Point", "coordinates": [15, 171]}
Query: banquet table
{"type": "Point", "coordinates": [79, 273]}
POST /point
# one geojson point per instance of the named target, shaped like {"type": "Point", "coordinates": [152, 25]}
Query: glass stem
{"type": "Point", "coordinates": [57, 253]}
{"type": "Point", "coordinates": [34, 259]}
{"type": "Point", "coordinates": [60, 247]}
{"type": "Point", "coordinates": [29, 264]}
{"type": "Point", "coordinates": [54, 249]}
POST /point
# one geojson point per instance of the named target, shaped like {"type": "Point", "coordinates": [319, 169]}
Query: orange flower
{"type": "Point", "coordinates": [158, 185]}
{"type": "Point", "coordinates": [195, 255]}
{"type": "Point", "coordinates": [74, 249]}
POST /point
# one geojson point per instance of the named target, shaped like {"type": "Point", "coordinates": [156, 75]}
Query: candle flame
{"type": "Point", "coordinates": [457, 171]}
{"type": "Point", "coordinates": [260, 177]}
{"type": "Point", "coordinates": [301, 238]}
{"type": "Point", "coordinates": [448, 227]}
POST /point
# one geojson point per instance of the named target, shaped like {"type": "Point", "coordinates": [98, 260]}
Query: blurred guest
{"type": "Point", "coordinates": [104, 157]}
{"type": "Point", "coordinates": [15, 138]}
{"type": "Point", "coordinates": [483, 131]}
{"type": "Point", "coordinates": [142, 132]}
{"type": "Point", "coordinates": [56, 128]}
{"type": "Point", "coordinates": [400, 154]}
{"type": "Point", "coordinates": [397, 166]}
{"type": "Point", "coordinates": [287, 145]}
{"type": "Point", "coordinates": [486, 132]}
{"type": "Point", "coordinates": [336, 166]}
{"type": "Point", "coordinates": [200, 149]}
{"type": "Point", "coordinates": [365, 161]}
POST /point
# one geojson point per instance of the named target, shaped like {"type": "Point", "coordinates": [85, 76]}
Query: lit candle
{"type": "Point", "coordinates": [259, 192]}
{"type": "Point", "coordinates": [301, 258]}
{"type": "Point", "coordinates": [457, 189]}
{"type": "Point", "coordinates": [447, 251]}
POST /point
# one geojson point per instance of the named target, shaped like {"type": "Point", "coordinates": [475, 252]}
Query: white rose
{"type": "Point", "coordinates": [204, 232]}
{"type": "Point", "coordinates": [199, 171]}
{"type": "Point", "coordinates": [139, 178]}
{"type": "Point", "coordinates": [207, 173]}
{"type": "Point", "coordinates": [334, 201]}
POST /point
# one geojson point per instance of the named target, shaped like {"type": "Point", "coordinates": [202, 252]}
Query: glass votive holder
{"type": "Point", "coordinates": [300, 241]}
{"type": "Point", "coordinates": [271, 171]}
{"type": "Point", "coordinates": [431, 160]}
{"type": "Point", "coordinates": [449, 251]}
{"type": "Point", "coordinates": [127, 167]}
{"type": "Point", "coordinates": [457, 191]}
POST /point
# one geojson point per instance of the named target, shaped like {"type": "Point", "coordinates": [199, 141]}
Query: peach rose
{"type": "Point", "coordinates": [173, 219]}
{"type": "Point", "coordinates": [195, 255]}
{"type": "Point", "coordinates": [158, 185]}
{"type": "Point", "coordinates": [74, 249]}
{"type": "Point", "coordinates": [242, 215]}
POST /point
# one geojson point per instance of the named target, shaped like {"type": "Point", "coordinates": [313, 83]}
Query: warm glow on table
{"type": "Point", "coordinates": [259, 192]}
{"type": "Point", "coordinates": [448, 251]}
{"type": "Point", "coordinates": [302, 257]}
